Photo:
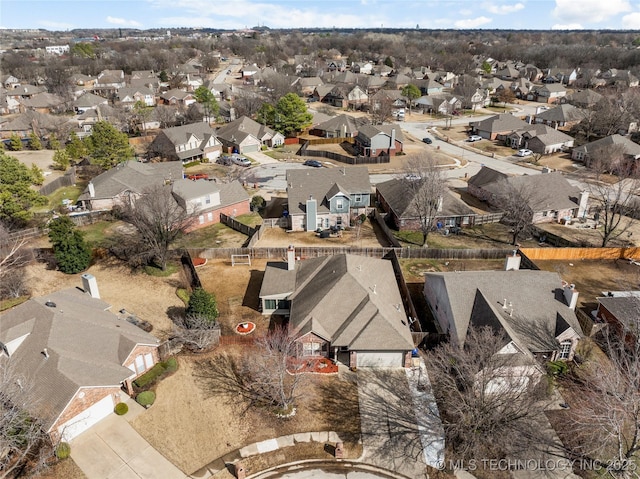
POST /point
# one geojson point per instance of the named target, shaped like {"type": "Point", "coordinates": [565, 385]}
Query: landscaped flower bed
{"type": "Point", "coordinates": [199, 261]}
{"type": "Point", "coordinates": [245, 328]}
{"type": "Point", "coordinates": [312, 365]}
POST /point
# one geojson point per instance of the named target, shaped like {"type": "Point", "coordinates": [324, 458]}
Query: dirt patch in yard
{"type": "Point", "coordinates": [369, 236]}
{"type": "Point", "coordinates": [146, 296]}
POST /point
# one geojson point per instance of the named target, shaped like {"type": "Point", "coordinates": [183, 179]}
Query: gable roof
{"type": "Point", "coordinates": [544, 134]}
{"type": "Point", "coordinates": [350, 300]}
{"type": "Point", "coordinates": [89, 100]}
{"type": "Point", "coordinates": [236, 131]}
{"type": "Point", "coordinates": [86, 344]}
{"type": "Point", "coordinates": [562, 113]}
{"type": "Point", "coordinates": [503, 122]}
{"type": "Point", "coordinates": [317, 183]}
{"type": "Point", "coordinates": [369, 131]}
{"type": "Point", "coordinates": [398, 197]}
{"type": "Point", "coordinates": [342, 123]}
{"type": "Point", "coordinates": [630, 148]}
{"type": "Point", "coordinates": [486, 176]}
{"type": "Point", "coordinates": [535, 317]}
{"type": "Point", "coordinates": [132, 176]}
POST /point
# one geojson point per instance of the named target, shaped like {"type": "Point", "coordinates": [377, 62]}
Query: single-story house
{"type": "Point", "coordinates": [497, 126]}
{"type": "Point", "coordinates": [245, 135]}
{"type": "Point", "coordinates": [564, 115]}
{"type": "Point", "coordinates": [534, 311]}
{"type": "Point", "coordinates": [339, 126]}
{"type": "Point", "coordinates": [539, 138]}
{"type": "Point", "coordinates": [550, 196]}
{"type": "Point", "coordinates": [126, 182]}
{"type": "Point", "coordinates": [344, 307]}
{"type": "Point", "coordinates": [195, 141]}
{"type": "Point", "coordinates": [79, 358]}
{"type": "Point", "coordinates": [395, 199]}
{"type": "Point", "coordinates": [584, 98]}
{"type": "Point", "coordinates": [548, 93]}
{"type": "Point", "coordinates": [324, 197]}
{"type": "Point", "coordinates": [584, 153]}
{"type": "Point", "coordinates": [621, 310]}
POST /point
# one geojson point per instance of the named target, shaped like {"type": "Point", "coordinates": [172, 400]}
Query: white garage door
{"type": "Point", "coordinates": [86, 419]}
{"type": "Point", "coordinates": [376, 359]}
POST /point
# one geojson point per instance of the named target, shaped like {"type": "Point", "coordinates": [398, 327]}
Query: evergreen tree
{"type": "Point", "coordinates": [108, 146]}
{"type": "Point", "coordinates": [61, 160]}
{"type": "Point", "coordinates": [76, 149]}
{"type": "Point", "coordinates": [69, 247]}
{"type": "Point", "coordinates": [15, 143]}
{"type": "Point", "coordinates": [34, 142]}
{"type": "Point", "coordinates": [202, 304]}
{"type": "Point", "coordinates": [16, 195]}
{"type": "Point", "coordinates": [54, 143]}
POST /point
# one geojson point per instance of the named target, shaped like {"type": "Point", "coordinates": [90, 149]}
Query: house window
{"type": "Point", "coordinates": [207, 199]}
{"type": "Point", "coordinates": [565, 350]}
{"type": "Point", "coordinates": [201, 219]}
{"type": "Point", "coordinates": [357, 198]}
{"type": "Point", "coordinates": [283, 304]}
{"type": "Point", "coordinates": [311, 349]}
{"type": "Point", "coordinates": [142, 363]}
{"type": "Point", "coordinates": [339, 203]}
{"type": "Point", "coordinates": [210, 217]}
{"type": "Point", "coordinates": [270, 304]}
{"type": "Point", "coordinates": [339, 221]}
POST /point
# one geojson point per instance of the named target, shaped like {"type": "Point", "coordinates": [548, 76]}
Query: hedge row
{"type": "Point", "coordinates": [157, 371]}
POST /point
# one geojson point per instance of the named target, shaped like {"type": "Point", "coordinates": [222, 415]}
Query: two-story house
{"type": "Point", "coordinates": [196, 141]}
{"type": "Point", "coordinates": [322, 198]}
{"type": "Point", "coordinates": [380, 140]}
{"type": "Point", "coordinates": [129, 96]}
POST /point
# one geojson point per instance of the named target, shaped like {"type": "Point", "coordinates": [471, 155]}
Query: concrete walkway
{"type": "Point", "coordinates": [114, 449]}
{"type": "Point", "coordinates": [260, 157]}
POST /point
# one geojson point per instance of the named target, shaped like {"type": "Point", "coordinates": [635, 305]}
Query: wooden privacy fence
{"type": "Point", "coordinates": [393, 241]}
{"type": "Point", "coordinates": [330, 141]}
{"type": "Point", "coordinates": [543, 254]}
{"type": "Point", "coordinates": [351, 160]}
{"type": "Point", "coordinates": [69, 179]}
{"type": "Point", "coordinates": [236, 225]}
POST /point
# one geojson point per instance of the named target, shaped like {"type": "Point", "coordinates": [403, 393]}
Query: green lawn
{"type": "Point", "coordinates": [96, 233]}
{"type": "Point", "coordinates": [250, 219]}
{"type": "Point", "coordinates": [66, 192]}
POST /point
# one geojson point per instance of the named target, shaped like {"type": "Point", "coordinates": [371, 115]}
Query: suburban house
{"type": "Point", "coordinates": [308, 84]}
{"type": "Point", "coordinates": [548, 93]}
{"type": "Point", "coordinates": [325, 197]}
{"type": "Point", "coordinates": [129, 96]}
{"type": "Point", "coordinates": [208, 199]}
{"type": "Point", "coordinates": [565, 115]}
{"type": "Point", "coordinates": [195, 141]}
{"type": "Point", "coordinates": [540, 138]}
{"type": "Point", "coordinates": [621, 310]}
{"type": "Point", "coordinates": [497, 126]}
{"type": "Point", "coordinates": [88, 101]}
{"type": "Point", "coordinates": [584, 98]}
{"type": "Point", "coordinates": [534, 310]}
{"type": "Point", "coordinates": [78, 357]}
{"type": "Point", "coordinates": [245, 135]}
{"type": "Point", "coordinates": [42, 102]}
{"type": "Point", "coordinates": [584, 153]}
{"type": "Point", "coordinates": [339, 126]}
{"type": "Point", "coordinates": [395, 199]}
{"type": "Point", "coordinates": [177, 97]}
{"type": "Point", "coordinates": [125, 182]}
{"type": "Point", "coordinates": [380, 140]}
{"type": "Point", "coordinates": [549, 196]}
{"type": "Point", "coordinates": [24, 123]}
{"type": "Point", "coordinates": [344, 307]}
{"type": "Point", "coordinates": [110, 80]}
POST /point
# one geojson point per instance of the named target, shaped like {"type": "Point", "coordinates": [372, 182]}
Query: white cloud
{"type": "Point", "coordinates": [631, 21]}
{"type": "Point", "coordinates": [471, 22]}
{"type": "Point", "coordinates": [568, 26]}
{"type": "Point", "coordinates": [52, 25]}
{"type": "Point", "coordinates": [466, 12]}
{"type": "Point", "coordinates": [589, 11]}
{"type": "Point", "coordinates": [505, 9]}
{"type": "Point", "coordinates": [123, 22]}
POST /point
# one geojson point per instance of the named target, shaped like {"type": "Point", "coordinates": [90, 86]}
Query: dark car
{"type": "Point", "coordinates": [427, 141]}
{"type": "Point", "coordinates": [314, 163]}
{"type": "Point", "coordinates": [224, 160]}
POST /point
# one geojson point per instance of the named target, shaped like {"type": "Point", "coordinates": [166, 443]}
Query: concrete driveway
{"type": "Point", "coordinates": [113, 449]}
{"type": "Point", "coordinates": [392, 435]}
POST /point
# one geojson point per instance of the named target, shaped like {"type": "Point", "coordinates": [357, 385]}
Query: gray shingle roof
{"type": "Point", "coordinates": [303, 183]}
{"type": "Point", "coordinates": [537, 315]}
{"type": "Point", "coordinates": [630, 148]}
{"type": "Point", "coordinates": [562, 113]}
{"type": "Point", "coordinates": [350, 300]}
{"type": "Point", "coordinates": [342, 123]}
{"type": "Point", "coordinates": [398, 197]}
{"type": "Point", "coordinates": [87, 346]}
{"type": "Point", "coordinates": [236, 130]}
{"type": "Point", "coordinates": [503, 122]}
{"type": "Point", "coordinates": [132, 176]}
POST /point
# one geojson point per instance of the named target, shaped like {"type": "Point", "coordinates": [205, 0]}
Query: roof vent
{"type": "Point", "coordinates": [50, 304]}
{"type": "Point", "coordinates": [45, 352]}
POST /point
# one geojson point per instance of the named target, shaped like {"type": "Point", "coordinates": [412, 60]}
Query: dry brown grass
{"type": "Point", "coordinates": [66, 469]}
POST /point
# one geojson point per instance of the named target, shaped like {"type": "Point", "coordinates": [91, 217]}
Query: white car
{"type": "Point", "coordinates": [524, 152]}
{"type": "Point", "coordinates": [241, 160]}
{"type": "Point", "coordinates": [473, 138]}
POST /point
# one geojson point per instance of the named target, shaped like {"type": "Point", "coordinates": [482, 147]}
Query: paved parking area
{"type": "Point", "coordinates": [113, 449]}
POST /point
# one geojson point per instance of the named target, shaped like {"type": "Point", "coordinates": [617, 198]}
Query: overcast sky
{"type": "Point", "coordinates": [237, 14]}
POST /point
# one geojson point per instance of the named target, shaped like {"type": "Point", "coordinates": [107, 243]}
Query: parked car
{"type": "Point", "coordinates": [473, 138]}
{"type": "Point", "coordinates": [198, 176]}
{"type": "Point", "coordinates": [524, 152]}
{"type": "Point", "coordinates": [314, 163]}
{"type": "Point", "coordinates": [241, 161]}
{"type": "Point", "coordinates": [413, 177]}
{"type": "Point", "coordinates": [427, 141]}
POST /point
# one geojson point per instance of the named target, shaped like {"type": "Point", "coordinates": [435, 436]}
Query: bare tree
{"type": "Point", "coordinates": [248, 103]}
{"type": "Point", "coordinates": [14, 256]}
{"type": "Point", "coordinates": [425, 185]}
{"type": "Point", "coordinates": [197, 332]}
{"type": "Point", "coordinates": [269, 379]}
{"type": "Point", "coordinates": [24, 445]}
{"type": "Point", "coordinates": [166, 115]}
{"type": "Point", "coordinates": [380, 109]}
{"type": "Point", "coordinates": [616, 203]}
{"type": "Point", "coordinates": [159, 220]}
{"type": "Point", "coordinates": [514, 202]}
{"type": "Point", "coordinates": [604, 398]}
{"type": "Point", "coordinates": [489, 408]}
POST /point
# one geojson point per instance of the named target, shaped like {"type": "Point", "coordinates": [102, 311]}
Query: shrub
{"type": "Point", "coordinates": [121, 409]}
{"type": "Point", "coordinates": [171, 365]}
{"type": "Point", "coordinates": [183, 294]}
{"type": "Point", "coordinates": [146, 398]}
{"type": "Point", "coordinates": [157, 371]}
{"type": "Point", "coordinates": [557, 368]}
{"type": "Point", "coordinates": [63, 450]}
{"type": "Point", "coordinates": [203, 304]}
